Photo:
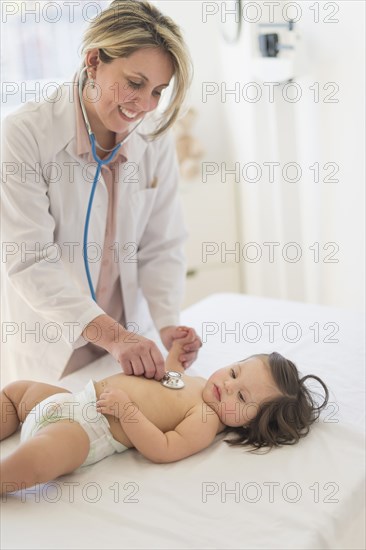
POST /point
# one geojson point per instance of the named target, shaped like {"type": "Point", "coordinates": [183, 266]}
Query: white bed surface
{"type": "Point", "coordinates": [307, 496]}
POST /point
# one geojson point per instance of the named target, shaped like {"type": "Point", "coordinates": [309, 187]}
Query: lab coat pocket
{"type": "Point", "coordinates": [142, 203]}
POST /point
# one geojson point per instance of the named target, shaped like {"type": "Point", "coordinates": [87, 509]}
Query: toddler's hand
{"type": "Point", "coordinates": [189, 344]}
{"type": "Point", "coordinates": [114, 402]}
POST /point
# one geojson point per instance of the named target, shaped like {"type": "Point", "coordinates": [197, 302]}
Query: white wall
{"type": "Point", "coordinates": [304, 132]}
{"type": "Point", "coordinates": [203, 43]}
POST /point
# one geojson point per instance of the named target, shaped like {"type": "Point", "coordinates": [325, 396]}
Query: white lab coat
{"type": "Point", "coordinates": [46, 301]}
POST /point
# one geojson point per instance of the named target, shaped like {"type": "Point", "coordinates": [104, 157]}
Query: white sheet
{"type": "Point", "coordinates": [318, 485]}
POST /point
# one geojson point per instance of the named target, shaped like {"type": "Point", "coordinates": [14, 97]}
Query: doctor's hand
{"type": "Point", "coordinates": [136, 354]}
{"type": "Point", "coordinates": [191, 347]}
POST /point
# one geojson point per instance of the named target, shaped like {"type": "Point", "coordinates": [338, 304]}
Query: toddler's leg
{"type": "Point", "coordinates": [55, 450]}
{"type": "Point", "coordinates": [18, 399]}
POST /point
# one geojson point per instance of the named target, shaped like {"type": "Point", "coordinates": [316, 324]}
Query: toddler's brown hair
{"type": "Point", "coordinates": [285, 419]}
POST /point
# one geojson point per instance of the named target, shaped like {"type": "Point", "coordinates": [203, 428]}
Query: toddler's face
{"type": "Point", "coordinates": [236, 391]}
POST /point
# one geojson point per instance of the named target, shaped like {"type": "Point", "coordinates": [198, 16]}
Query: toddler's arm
{"type": "Point", "coordinates": [172, 361]}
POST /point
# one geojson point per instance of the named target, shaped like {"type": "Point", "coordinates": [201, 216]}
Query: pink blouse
{"type": "Point", "coordinates": [108, 291]}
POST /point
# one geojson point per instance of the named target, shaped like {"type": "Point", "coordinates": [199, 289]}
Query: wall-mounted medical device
{"type": "Point", "coordinates": [278, 52]}
{"type": "Point", "coordinates": [269, 43]}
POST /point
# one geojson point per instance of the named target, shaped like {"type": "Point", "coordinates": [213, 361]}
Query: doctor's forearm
{"type": "Point", "coordinates": [103, 331]}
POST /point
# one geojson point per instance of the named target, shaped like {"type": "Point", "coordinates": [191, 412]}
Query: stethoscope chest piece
{"type": "Point", "coordinates": [172, 380]}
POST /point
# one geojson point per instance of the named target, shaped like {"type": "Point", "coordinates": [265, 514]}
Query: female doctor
{"type": "Point", "coordinates": [75, 289]}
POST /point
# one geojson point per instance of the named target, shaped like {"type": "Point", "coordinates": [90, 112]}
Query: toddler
{"type": "Point", "coordinates": [260, 398]}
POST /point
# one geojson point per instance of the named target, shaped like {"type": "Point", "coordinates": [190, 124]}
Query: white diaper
{"type": "Point", "coordinates": [80, 407]}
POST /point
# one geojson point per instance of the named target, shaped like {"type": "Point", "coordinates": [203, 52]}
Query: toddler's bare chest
{"type": "Point", "coordinates": [164, 407]}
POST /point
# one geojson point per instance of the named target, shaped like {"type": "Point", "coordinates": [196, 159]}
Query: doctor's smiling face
{"type": "Point", "coordinates": [126, 89]}
{"type": "Point", "coordinates": [236, 391]}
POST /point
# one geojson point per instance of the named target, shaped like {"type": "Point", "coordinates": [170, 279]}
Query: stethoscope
{"type": "Point", "coordinates": [171, 379]}
{"type": "Point", "coordinates": [100, 163]}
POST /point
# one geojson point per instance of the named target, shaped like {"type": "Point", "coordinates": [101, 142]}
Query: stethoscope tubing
{"type": "Point", "coordinates": [100, 163]}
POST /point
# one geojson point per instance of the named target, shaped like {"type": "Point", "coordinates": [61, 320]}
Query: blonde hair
{"type": "Point", "coordinates": [129, 25]}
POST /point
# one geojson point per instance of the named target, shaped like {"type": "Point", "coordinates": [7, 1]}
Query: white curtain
{"type": "Point", "coordinates": [318, 223]}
